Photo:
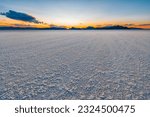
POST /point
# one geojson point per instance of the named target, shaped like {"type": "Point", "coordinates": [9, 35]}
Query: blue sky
{"type": "Point", "coordinates": [75, 12]}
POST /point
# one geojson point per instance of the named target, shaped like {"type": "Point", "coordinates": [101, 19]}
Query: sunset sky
{"type": "Point", "coordinates": [77, 13]}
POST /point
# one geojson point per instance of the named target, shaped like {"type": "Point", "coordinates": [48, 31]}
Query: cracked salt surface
{"type": "Point", "coordinates": [74, 65]}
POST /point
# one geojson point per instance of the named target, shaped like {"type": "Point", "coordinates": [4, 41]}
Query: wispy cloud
{"type": "Point", "coordinates": [137, 24]}
{"type": "Point", "coordinates": [20, 16]}
{"type": "Point", "coordinates": [130, 25]}
{"type": "Point", "coordinates": [22, 25]}
{"type": "Point", "coordinates": [144, 25]}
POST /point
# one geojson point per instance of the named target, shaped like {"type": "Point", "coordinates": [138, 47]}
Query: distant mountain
{"type": "Point", "coordinates": [115, 27]}
{"type": "Point", "coordinates": [74, 28]}
{"type": "Point", "coordinates": [31, 28]}
{"type": "Point", "coordinates": [17, 28]}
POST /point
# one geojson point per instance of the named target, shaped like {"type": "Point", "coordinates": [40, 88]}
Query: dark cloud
{"type": "Point", "coordinates": [20, 16]}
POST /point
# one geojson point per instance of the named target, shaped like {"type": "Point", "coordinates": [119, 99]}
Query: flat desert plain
{"type": "Point", "coordinates": [69, 64]}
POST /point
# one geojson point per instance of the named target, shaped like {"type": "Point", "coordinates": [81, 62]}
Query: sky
{"type": "Point", "coordinates": [75, 13]}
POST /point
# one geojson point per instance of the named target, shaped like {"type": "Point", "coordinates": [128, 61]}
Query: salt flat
{"type": "Point", "coordinates": [75, 64]}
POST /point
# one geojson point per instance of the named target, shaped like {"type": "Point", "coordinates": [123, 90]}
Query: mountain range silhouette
{"type": "Point", "coordinates": [114, 27]}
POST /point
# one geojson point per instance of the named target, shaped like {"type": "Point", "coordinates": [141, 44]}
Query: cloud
{"type": "Point", "coordinates": [137, 24]}
{"type": "Point", "coordinates": [53, 25]}
{"type": "Point", "coordinates": [98, 25]}
{"type": "Point", "coordinates": [22, 25]}
{"type": "Point", "coordinates": [144, 25]}
{"type": "Point", "coordinates": [130, 25]}
{"type": "Point", "coordinates": [56, 26]}
{"type": "Point", "coordinates": [20, 16]}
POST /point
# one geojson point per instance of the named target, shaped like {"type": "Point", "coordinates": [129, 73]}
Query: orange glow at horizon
{"type": "Point", "coordinates": [17, 23]}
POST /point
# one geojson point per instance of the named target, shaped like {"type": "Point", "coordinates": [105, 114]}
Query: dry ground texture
{"type": "Point", "coordinates": [74, 65]}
